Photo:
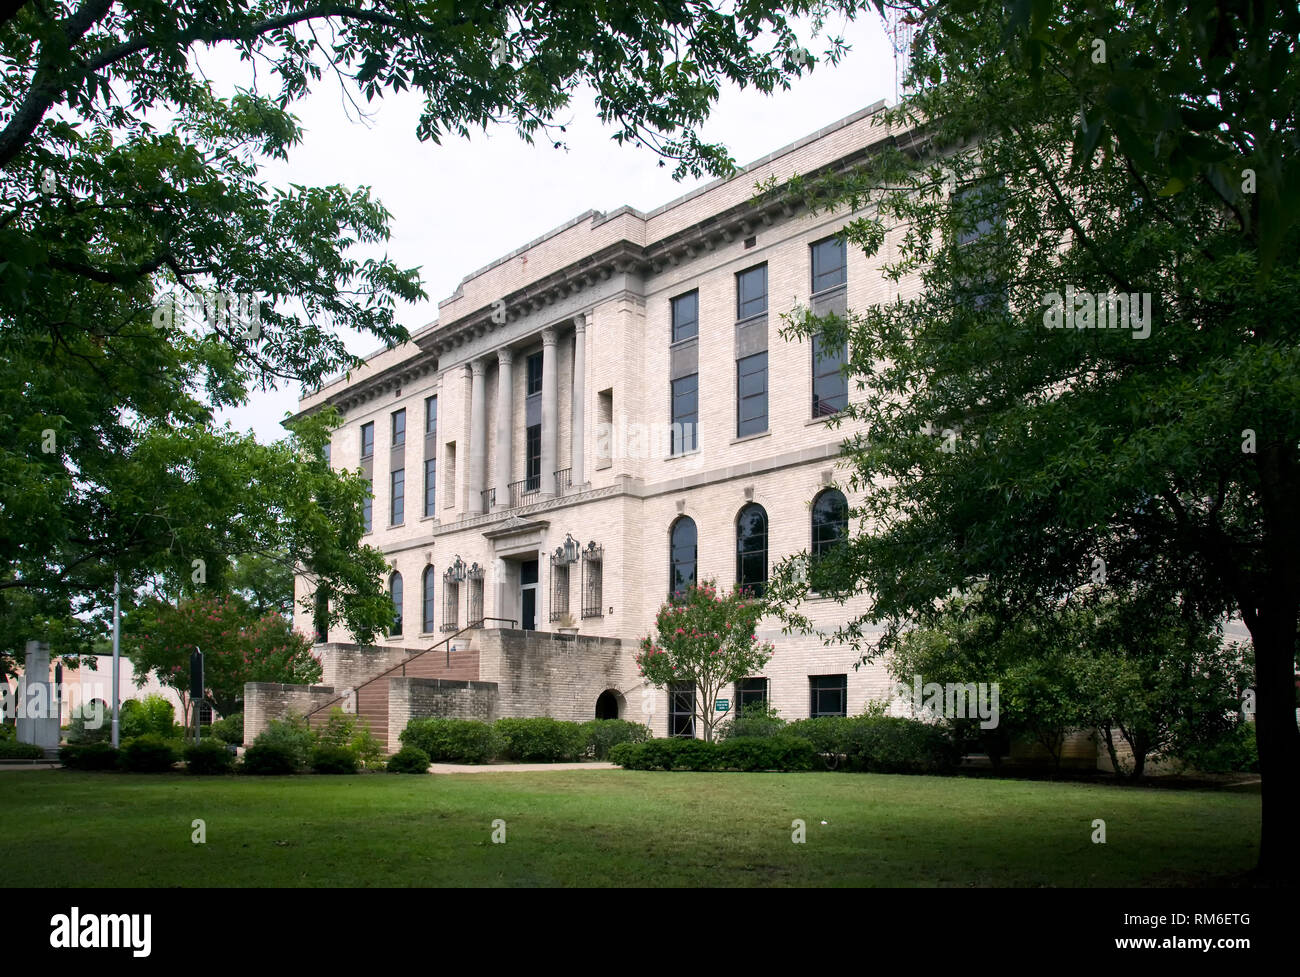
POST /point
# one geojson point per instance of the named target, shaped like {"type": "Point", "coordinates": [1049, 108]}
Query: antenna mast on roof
{"type": "Point", "coordinates": [901, 29]}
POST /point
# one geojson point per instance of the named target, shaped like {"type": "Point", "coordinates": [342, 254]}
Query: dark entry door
{"type": "Point", "coordinates": [528, 594]}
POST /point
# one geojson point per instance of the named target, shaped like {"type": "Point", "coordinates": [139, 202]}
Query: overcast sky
{"type": "Point", "coordinates": [461, 205]}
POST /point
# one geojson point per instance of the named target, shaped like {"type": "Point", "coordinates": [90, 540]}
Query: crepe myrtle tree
{"type": "Point", "coordinates": [709, 639]}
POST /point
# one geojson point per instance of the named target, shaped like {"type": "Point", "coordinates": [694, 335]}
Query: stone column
{"type": "Point", "coordinates": [577, 427]}
{"type": "Point", "coordinates": [477, 437]}
{"type": "Point", "coordinates": [550, 412]}
{"type": "Point", "coordinates": [505, 425]}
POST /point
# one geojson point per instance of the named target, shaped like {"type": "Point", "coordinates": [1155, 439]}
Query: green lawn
{"type": "Point", "coordinates": [619, 828]}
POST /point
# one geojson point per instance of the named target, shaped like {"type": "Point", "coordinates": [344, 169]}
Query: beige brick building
{"type": "Point", "coordinates": [598, 416]}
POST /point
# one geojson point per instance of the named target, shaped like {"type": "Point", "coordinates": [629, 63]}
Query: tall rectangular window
{"type": "Point", "coordinates": [830, 695]}
{"type": "Point", "coordinates": [397, 501]}
{"type": "Point", "coordinates": [430, 485]}
{"type": "Point", "coordinates": [450, 604]}
{"type": "Point", "coordinates": [399, 427]}
{"type": "Point", "coordinates": [829, 265]}
{"type": "Point", "coordinates": [559, 590]}
{"type": "Point", "coordinates": [686, 316]}
{"type": "Point", "coordinates": [431, 416]}
{"type": "Point", "coordinates": [750, 692]}
{"type": "Point", "coordinates": [605, 428]}
{"type": "Point", "coordinates": [368, 439]}
{"type": "Point", "coordinates": [533, 458]}
{"type": "Point", "coordinates": [593, 601]}
{"type": "Point", "coordinates": [367, 507]}
{"type": "Point", "coordinates": [751, 394]}
{"type": "Point", "coordinates": [686, 413]}
{"type": "Point", "coordinates": [534, 374]}
{"type": "Point", "coordinates": [830, 392]}
{"type": "Point", "coordinates": [751, 292]}
{"type": "Point", "coordinates": [449, 490]}
{"type": "Point", "coordinates": [681, 709]}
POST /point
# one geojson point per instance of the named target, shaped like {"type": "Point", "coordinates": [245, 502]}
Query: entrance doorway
{"type": "Point", "coordinates": [528, 594]}
{"type": "Point", "coordinates": [607, 705]}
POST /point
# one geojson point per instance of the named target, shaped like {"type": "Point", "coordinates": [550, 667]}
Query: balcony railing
{"type": "Point", "coordinates": [524, 491]}
{"type": "Point", "coordinates": [563, 481]}
{"type": "Point", "coordinates": [489, 499]}
{"type": "Point", "coordinates": [528, 490]}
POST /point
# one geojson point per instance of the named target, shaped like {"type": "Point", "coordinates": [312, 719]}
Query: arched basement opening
{"type": "Point", "coordinates": [607, 705]}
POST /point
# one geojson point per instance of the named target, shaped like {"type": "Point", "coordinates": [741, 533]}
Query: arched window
{"type": "Point", "coordinates": [395, 588]}
{"type": "Point", "coordinates": [682, 551]}
{"type": "Point", "coordinates": [830, 521]}
{"type": "Point", "coordinates": [427, 599]}
{"type": "Point", "coordinates": [751, 549]}
{"type": "Point", "coordinates": [321, 615]}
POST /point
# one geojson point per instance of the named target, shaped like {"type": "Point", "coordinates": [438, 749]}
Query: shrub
{"type": "Point", "coordinates": [453, 740]}
{"type": "Point", "coordinates": [92, 722]}
{"type": "Point", "coordinates": [891, 744]}
{"type": "Point", "coordinates": [345, 731]}
{"type": "Point", "coordinates": [269, 759]}
{"type": "Point", "coordinates": [89, 756]}
{"type": "Point", "coordinates": [334, 759]}
{"type": "Point", "coordinates": [540, 740]}
{"type": "Point", "coordinates": [737, 753]}
{"type": "Point", "coordinates": [208, 757]}
{"type": "Point", "coordinates": [826, 733]}
{"type": "Point", "coordinates": [13, 750]}
{"type": "Point", "coordinates": [756, 720]}
{"type": "Point", "coordinates": [7, 732]}
{"type": "Point", "coordinates": [149, 753]}
{"type": "Point", "coordinates": [158, 715]}
{"type": "Point", "coordinates": [230, 730]}
{"type": "Point", "coordinates": [292, 735]}
{"type": "Point", "coordinates": [1234, 751]}
{"type": "Point", "coordinates": [603, 734]}
{"type": "Point", "coordinates": [409, 759]}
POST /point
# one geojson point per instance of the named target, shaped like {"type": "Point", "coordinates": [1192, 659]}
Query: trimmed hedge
{"type": "Point", "coordinates": [453, 740]}
{"type": "Point", "coordinates": [541, 740]}
{"type": "Point", "coordinates": [13, 750]}
{"type": "Point", "coordinates": [269, 759]}
{"type": "Point", "coordinates": [208, 757]}
{"type": "Point", "coordinates": [149, 753]}
{"type": "Point", "coordinates": [230, 730]}
{"type": "Point", "coordinates": [882, 744]}
{"type": "Point", "coordinates": [88, 756]}
{"type": "Point", "coordinates": [604, 734]}
{"type": "Point", "coordinates": [409, 759]}
{"type": "Point", "coordinates": [785, 753]}
{"type": "Point", "coordinates": [334, 759]}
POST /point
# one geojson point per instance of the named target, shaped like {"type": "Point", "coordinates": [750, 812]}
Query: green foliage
{"type": "Point", "coordinates": [238, 647]}
{"type": "Point", "coordinates": [230, 729]}
{"type": "Point", "coordinates": [540, 740]}
{"type": "Point", "coordinates": [344, 731]}
{"type": "Point", "coordinates": [709, 639]}
{"type": "Point", "coordinates": [273, 759]}
{"type": "Point", "coordinates": [880, 744]}
{"type": "Point", "coordinates": [1234, 751]}
{"type": "Point", "coordinates": [292, 736]}
{"type": "Point", "coordinates": [333, 759]}
{"type": "Point", "coordinates": [453, 740]}
{"type": "Point", "coordinates": [208, 757]}
{"type": "Point", "coordinates": [757, 719]}
{"type": "Point", "coordinates": [603, 734]}
{"type": "Point", "coordinates": [89, 756]}
{"type": "Point", "coordinates": [149, 753]}
{"type": "Point", "coordinates": [738, 753]}
{"type": "Point", "coordinates": [91, 722]}
{"type": "Point", "coordinates": [7, 731]}
{"type": "Point", "coordinates": [409, 759]}
{"type": "Point", "coordinates": [11, 749]}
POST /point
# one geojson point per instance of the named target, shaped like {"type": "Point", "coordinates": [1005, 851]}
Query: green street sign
{"type": "Point", "coordinates": [721, 705]}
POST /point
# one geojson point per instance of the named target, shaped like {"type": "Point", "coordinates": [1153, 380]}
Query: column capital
{"type": "Point", "coordinates": [549, 336]}
{"type": "Point", "coordinates": [505, 356]}
{"type": "Point", "coordinates": [477, 367]}
{"type": "Point", "coordinates": [580, 323]}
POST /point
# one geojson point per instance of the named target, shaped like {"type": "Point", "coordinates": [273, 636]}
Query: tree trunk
{"type": "Point", "coordinates": [1274, 639]}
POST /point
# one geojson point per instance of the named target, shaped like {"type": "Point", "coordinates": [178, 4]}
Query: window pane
{"type": "Point", "coordinates": [829, 265]}
{"type": "Point", "coordinates": [685, 407]}
{"type": "Point", "coordinates": [751, 292]}
{"type": "Point", "coordinates": [428, 598]}
{"type": "Point", "coordinates": [830, 521]}
{"type": "Point", "coordinates": [395, 588]}
{"type": "Point", "coordinates": [367, 506]}
{"type": "Point", "coordinates": [535, 374]}
{"type": "Point", "coordinates": [431, 415]}
{"type": "Point", "coordinates": [399, 427]}
{"type": "Point", "coordinates": [830, 385]}
{"type": "Point", "coordinates": [430, 485]}
{"type": "Point", "coordinates": [751, 396]}
{"type": "Point", "coordinates": [686, 316]}
{"type": "Point", "coordinates": [398, 513]}
{"type": "Point", "coordinates": [682, 554]}
{"type": "Point", "coordinates": [367, 439]}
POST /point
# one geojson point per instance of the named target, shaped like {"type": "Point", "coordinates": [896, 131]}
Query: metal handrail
{"type": "Point", "coordinates": [402, 664]}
